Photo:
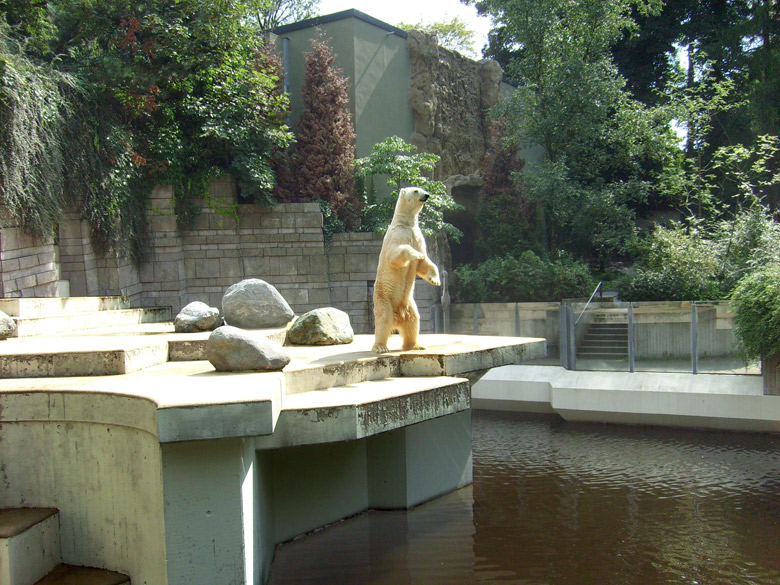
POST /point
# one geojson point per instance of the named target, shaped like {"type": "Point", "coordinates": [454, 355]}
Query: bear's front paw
{"type": "Point", "coordinates": [416, 255]}
{"type": "Point", "coordinates": [434, 280]}
{"type": "Point", "coordinates": [379, 348]}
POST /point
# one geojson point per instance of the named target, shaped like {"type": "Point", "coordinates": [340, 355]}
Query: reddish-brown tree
{"type": "Point", "coordinates": [322, 165]}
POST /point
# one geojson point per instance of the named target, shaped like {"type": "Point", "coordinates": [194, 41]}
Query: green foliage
{"type": "Point", "coordinates": [452, 34]}
{"type": "Point", "coordinates": [160, 92]}
{"type": "Point", "coordinates": [403, 165]}
{"type": "Point", "coordinates": [32, 138]}
{"type": "Point", "coordinates": [696, 262]}
{"type": "Point", "coordinates": [756, 305]}
{"type": "Point", "coordinates": [522, 278]}
{"type": "Point", "coordinates": [268, 14]}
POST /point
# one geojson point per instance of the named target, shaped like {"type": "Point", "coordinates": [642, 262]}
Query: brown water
{"type": "Point", "coordinates": [559, 503]}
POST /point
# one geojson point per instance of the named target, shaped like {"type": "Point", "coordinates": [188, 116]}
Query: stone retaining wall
{"type": "Point", "coordinates": [284, 246]}
{"type": "Point", "coordinates": [28, 268]}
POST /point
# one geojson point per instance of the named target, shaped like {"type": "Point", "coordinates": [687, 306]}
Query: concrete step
{"type": "Point", "coordinates": [40, 357]}
{"type": "Point", "coordinates": [84, 321]}
{"type": "Point", "coordinates": [598, 343]}
{"type": "Point", "coordinates": [364, 409]}
{"type": "Point", "coordinates": [29, 544]}
{"type": "Point", "coordinates": [39, 307]}
{"type": "Point", "coordinates": [70, 575]}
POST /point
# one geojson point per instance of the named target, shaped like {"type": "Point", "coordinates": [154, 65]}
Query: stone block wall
{"type": "Point", "coordinates": [28, 268]}
{"type": "Point", "coordinates": [283, 245]}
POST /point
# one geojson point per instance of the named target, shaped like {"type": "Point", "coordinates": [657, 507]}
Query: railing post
{"type": "Point", "coordinates": [476, 318]}
{"type": "Point", "coordinates": [572, 352]}
{"type": "Point", "coordinates": [694, 339]}
{"type": "Point", "coordinates": [445, 301]}
{"type": "Point", "coordinates": [517, 320]}
{"type": "Point", "coordinates": [563, 337]}
{"type": "Point", "coordinates": [631, 340]}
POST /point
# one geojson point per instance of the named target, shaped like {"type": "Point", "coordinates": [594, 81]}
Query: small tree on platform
{"type": "Point", "coordinates": [322, 166]}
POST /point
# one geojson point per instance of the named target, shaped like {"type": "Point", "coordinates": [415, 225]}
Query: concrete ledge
{"type": "Point", "coordinates": [364, 409]}
{"type": "Point", "coordinates": [712, 401]}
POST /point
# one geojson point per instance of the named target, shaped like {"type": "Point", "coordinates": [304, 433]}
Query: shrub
{"type": "Point", "coordinates": [404, 166]}
{"type": "Point", "coordinates": [525, 278]}
{"type": "Point", "coordinates": [669, 284]}
{"type": "Point", "coordinates": [756, 304]}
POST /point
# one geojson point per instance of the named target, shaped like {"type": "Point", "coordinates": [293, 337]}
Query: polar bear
{"type": "Point", "coordinates": [403, 257]}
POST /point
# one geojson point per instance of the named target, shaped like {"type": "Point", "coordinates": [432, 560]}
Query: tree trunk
{"type": "Point", "coordinates": [770, 367]}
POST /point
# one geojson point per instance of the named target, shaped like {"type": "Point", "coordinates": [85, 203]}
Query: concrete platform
{"type": "Point", "coordinates": [170, 472]}
{"type": "Point", "coordinates": [709, 401]}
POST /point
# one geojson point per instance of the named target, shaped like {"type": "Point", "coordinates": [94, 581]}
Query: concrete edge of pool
{"type": "Point", "coordinates": [708, 401]}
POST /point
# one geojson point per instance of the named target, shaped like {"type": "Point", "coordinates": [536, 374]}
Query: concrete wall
{"type": "Point", "coordinates": [96, 458]}
{"type": "Point", "coordinates": [374, 57]}
{"type": "Point", "coordinates": [662, 330]}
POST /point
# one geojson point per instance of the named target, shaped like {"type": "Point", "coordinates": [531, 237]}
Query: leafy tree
{"type": "Point", "coordinates": [164, 92]}
{"type": "Point", "coordinates": [404, 166]}
{"type": "Point", "coordinates": [602, 151]}
{"type": "Point", "coordinates": [452, 34]}
{"type": "Point", "coordinates": [756, 304]}
{"type": "Point", "coordinates": [268, 14]}
{"type": "Point", "coordinates": [322, 166]}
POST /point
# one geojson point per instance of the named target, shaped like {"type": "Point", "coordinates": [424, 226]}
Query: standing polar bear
{"type": "Point", "coordinates": [403, 257]}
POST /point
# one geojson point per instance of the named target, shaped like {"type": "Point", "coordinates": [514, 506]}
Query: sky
{"type": "Point", "coordinates": [413, 11]}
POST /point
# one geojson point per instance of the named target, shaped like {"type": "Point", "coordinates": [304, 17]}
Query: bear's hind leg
{"type": "Point", "coordinates": [383, 325]}
{"type": "Point", "coordinates": [410, 327]}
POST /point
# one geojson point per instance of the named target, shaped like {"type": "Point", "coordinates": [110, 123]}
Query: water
{"type": "Point", "coordinates": [560, 503]}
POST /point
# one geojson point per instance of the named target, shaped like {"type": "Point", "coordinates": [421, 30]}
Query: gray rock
{"type": "Point", "coordinates": [327, 326]}
{"type": "Point", "coordinates": [230, 349]}
{"type": "Point", "coordinates": [7, 326]}
{"type": "Point", "coordinates": [197, 316]}
{"type": "Point", "coordinates": [255, 304]}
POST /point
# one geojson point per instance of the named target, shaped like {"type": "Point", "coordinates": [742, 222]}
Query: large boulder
{"type": "Point", "coordinates": [327, 326]}
{"type": "Point", "coordinates": [255, 304]}
{"type": "Point", "coordinates": [197, 316]}
{"type": "Point", "coordinates": [230, 349]}
{"type": "Point", "coordinates": [7, 326]}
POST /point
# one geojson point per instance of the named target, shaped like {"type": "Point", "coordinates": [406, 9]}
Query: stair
{"type": "Point", "coordinates": [52, 316]}
{"type": "Point", "coordinates": [30, 552]}
{"type": "Point", "coordinates": [604, 341]}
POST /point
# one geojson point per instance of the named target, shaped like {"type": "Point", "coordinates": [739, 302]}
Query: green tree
{"type": "Point", "coordinates": [452, 34]}
{"type": "Point", "coordinates": [756, 304]}
{"type": "Point", "coordinates": [268, 14]}
{"type": "Point", "coordinates": [403, 166]}
{"type": "Point", "coordinates": [602, 151]}
{"type": "Point", "coordinates": [165, 92]}
{"type": "Point", "coordinates": [322, 167]}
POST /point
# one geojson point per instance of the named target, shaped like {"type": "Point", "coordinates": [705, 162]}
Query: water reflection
{"type": "Point", "coordinates": [560, 503]}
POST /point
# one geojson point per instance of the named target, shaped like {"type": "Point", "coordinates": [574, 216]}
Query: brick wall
{"type": "Point", "coordinates": [283, 246]}
{"type": "Point", "coordinates": [28, 268]}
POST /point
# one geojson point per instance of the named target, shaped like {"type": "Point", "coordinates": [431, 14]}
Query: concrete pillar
{"type": "Point", "coordinates": [414, 464]}
{"type": "Point", "coordinates": [217, 513]}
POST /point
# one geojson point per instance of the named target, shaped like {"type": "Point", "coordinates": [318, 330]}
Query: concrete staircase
{"type": "Point", "coordinates": [59, 315]}
{"type": "Point", "coordinates": [30, 552]}
{"type": "Point", "coordinates": [604, 340]}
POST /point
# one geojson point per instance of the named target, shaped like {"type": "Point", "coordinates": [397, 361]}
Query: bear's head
{"type": "Point", "coordinates": [410, 202]}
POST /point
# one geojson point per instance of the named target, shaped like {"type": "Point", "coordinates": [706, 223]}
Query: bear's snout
{"type": "Point", "coordinates": [424, 197]}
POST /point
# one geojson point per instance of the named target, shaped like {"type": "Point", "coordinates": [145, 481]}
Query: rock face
{"type": "Point", "coordinates": [450, 96]}
{"type": "Point", "coordinates": [7, 326]}
{"type": "Point", "coordinates": [197, 316]}
{"type": "Point", "coordinates": [230, 349]}
{"type": "Point", "coordinates": [255, 304]}
{"type": "Point", "coordinates": [327, 326]}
